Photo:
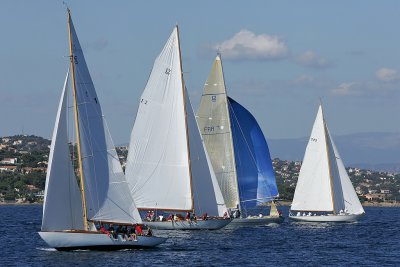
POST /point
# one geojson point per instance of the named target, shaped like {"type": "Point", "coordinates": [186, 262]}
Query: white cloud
{"type": "Point", "coordinates": [312, 59]}
{"type": "Point", "coordinates": [303, 79]}
{"type": "Point", "coordinates": [387, 75]}
{"type": "Point", "coordinates": [346, 89]}
{"type": "Point", "coordinates": [246, 45]}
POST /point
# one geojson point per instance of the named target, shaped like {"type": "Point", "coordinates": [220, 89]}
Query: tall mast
{"type": "Point", "coordinates": [329, 161]}
{"type": "Point", "coordinates": [230, 133]}
{"type": "Point", "coordinates": [73, 62]}
{"type": "Point", "coordinates": [184, 109]}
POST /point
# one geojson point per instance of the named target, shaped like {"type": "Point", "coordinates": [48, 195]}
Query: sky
{"type": "Point", "coordinates": [280, 58]}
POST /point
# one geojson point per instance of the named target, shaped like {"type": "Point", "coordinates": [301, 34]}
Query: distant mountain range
{"type": "Point", "coordinates": [375, 151]}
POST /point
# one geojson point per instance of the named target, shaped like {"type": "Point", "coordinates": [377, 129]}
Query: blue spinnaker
{"type": "Point", "coordinates": [255, 175]}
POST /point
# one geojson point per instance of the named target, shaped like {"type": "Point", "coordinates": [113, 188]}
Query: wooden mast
{"type": "Point", "coordinates": [81, 178]}
{"type": "Point", "coordinates": [184, 107]}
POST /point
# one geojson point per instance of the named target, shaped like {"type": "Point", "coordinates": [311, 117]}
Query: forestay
{"type": "Point", "coordinates": [106, 190]}
{"type": "Point", "coordinates": [158, 159]}
{"type": "Point", "coordinates": [215, 127]}
{"type": "Point", "coordinates": [255, 174]}
{"type": "Point", "coordinates": [62, 207]}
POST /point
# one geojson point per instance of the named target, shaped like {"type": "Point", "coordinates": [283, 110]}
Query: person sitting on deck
{"type": "Point", "coordinates": [112, 231]}
{"type": "Point", "coordinates": [132, 233]}
{"type": "Point", "coordinates": [204, 217]}
{"type": "Point", "coordinates": [138, 229]}
{"type": "Point", "coordinates": [170, 217]}
{"type": "Point", "coordinates": [149, 232]}
{"type": "Point", "coordinates": [148, 214]}
{"type": "Point", "coordinates": [187, 217]}
{"type": "Point", "coordinates": [124, 233]}
{"type": "Point", "coordinates": [103, 230]}
{"type": "Point", "coordinates": [226, 215]}
{"type": "Point", "coordinates": [193, 217]}
{"type": "Point", "coordinates": [152, 216]}
{"type": "Point", "coordinates": [117, 231]}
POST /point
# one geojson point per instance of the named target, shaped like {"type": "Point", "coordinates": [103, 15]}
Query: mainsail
{"type": "Point", "coordinates": [62, 207]}
{"type": "Point", "coordinates": [167, 166]}
{"type": "Point", "coordinates": [323, 183]}
{"type": "Point", "coordinates": [106, 190]}
{"type": "Point", "coordinates": [236, 146]}
{"type": "Point", "coordinates": [215, 127]}
{"type": "Point", "coordinates": [159, 146]}
{"type": "Point", "coordinates": [255, 174]}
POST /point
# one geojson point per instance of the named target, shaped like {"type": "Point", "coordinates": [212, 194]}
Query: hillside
{"type": "Point", "coordinates": [24, 159]}
{"type": "Point", "coordinates": [374, 151]}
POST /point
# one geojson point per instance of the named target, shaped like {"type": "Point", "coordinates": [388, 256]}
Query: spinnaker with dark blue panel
{"type": "Point", "coordinates": [255, 175]}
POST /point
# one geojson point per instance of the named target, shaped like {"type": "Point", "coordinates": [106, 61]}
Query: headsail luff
{"type": "Point", "coordinates": [215, 126]}
{"type": "Point", "coordinates": [106, 190]}
{"type": "Point", "coordinates": [159, 144]}
{"type": "Point", "coordinates": [62, 207]}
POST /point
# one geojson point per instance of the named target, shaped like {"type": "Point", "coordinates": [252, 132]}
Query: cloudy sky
{"type": "Point", "coordinates": [279, 58]}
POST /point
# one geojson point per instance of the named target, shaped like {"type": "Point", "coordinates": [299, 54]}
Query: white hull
{"type": "Point", "coordinates": [96, 241]}
{"type": "Point", "coordinates": [211, 224]}
{"type": "Point", "coordinates": [255, 220]}
{"type": "Point", "coordinates": [327, 218]}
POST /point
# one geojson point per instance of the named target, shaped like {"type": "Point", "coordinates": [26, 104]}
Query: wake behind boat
{"type": "Point", "coordinates": [324, 192]}
{"type": "Point", "coordinates": [238, 151]}
{"type": "Point", "coordinates": [73, 216]}
{"type": "Point", "coordinates": [168, 168]}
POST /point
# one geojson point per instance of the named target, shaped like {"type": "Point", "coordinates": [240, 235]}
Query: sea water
{"type": "Point", "coordinates": [374, 240]}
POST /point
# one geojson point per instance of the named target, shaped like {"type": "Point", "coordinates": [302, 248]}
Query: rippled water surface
{"type": "Point", "coordinates": [375, 240]}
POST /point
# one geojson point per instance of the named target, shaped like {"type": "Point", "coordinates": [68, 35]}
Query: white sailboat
{"type": "Point", "coordinates": [324, 192]}
{"type": "Point", "coordinates": [238, 151]}
{"type": "Point", "coordinates": [168, 169]}
{"type": "Point", "coordinates": [69, 212]}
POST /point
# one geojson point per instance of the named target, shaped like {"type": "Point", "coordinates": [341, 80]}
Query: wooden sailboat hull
{"type": "Point", "coordinates": [328, 218]}
{"type": "Point", "coordinates": [96, 241]}
{"type": "Point", "coordinates": [255, 220]}
{"type": "Point", "coordinates": [211, 224]}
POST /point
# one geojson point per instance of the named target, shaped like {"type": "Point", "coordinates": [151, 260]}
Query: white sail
{"type": "Point", "coordinates": [206, 192]}
{"type": "Point", "coordinates": [62, 207]}
{"type": "Point", "coordinates": [215, 127]}
{"type": "Point", "coordinates": [351, 200]}
{"type": "Point", "coordinates": [158, 161]}
{"type": "Point", "coordinates": [106, 190]}
{"type": "Point", "coordinates": [313, 190]}
{"type": "Point", "coordinates": [336, 185]}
